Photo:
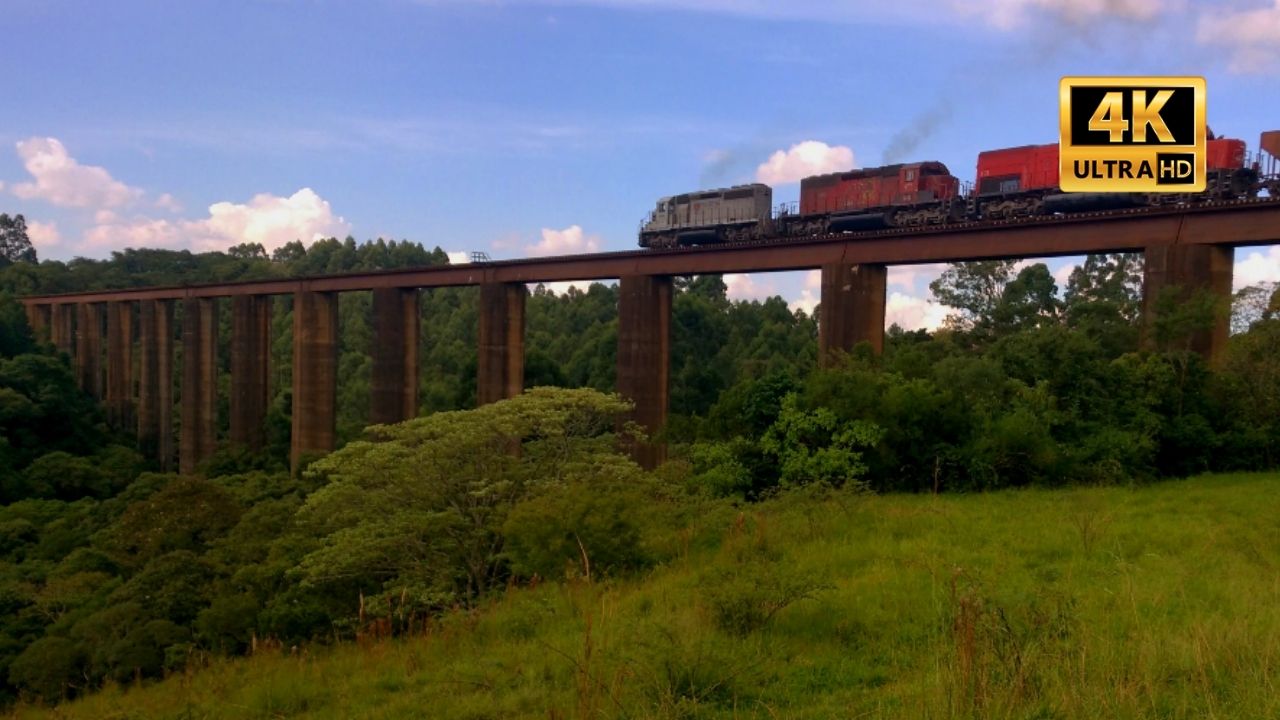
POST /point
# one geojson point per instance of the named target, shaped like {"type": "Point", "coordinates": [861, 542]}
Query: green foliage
{"type": "Point", "coordinates": [185, 515]}
{"type": "Point", "coordinates": [744, 598]}
{"type": "Point", "coordinates": [49, 669]}
{"type": "Point", "coordinates": [582, 528]}
{"type": "Point", "coordinates": [429, 522]}
{"type": "Point", "coordinates": [416, 510]}
{"type": "Point", "coordinates": [973, 289]}
{"type": "Point", "coordinates": [815, 446]}
{"type": "Point", "coordinates": [1131, 602]}
{"type": "Point", "coordinates": [15, 245]}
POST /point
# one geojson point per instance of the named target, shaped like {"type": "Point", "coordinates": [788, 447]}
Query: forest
{"type": "Point", "coordinates": [112, 572]}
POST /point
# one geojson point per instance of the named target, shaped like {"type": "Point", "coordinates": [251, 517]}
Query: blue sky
{"type": "Point", "coordinates": [537, 126]}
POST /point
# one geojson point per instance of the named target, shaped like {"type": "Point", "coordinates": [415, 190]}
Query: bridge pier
{"type": "Point", "coordinates": [250, 369]}
{"type": "Point", "coordinates": [155, 381]}
{"type": "Point", "coordinates": [644, 357]}
{"type": "Point", "coordinates": [1192, 270]}
{"type": "Point", "coordinates": [38, 317]}
{"type": "Point", "coordinates": [63, 328]}
{"type": "Point", "coordinates": [199, 431]}
{"type": "Point", "coordinates": [89, 347]}
{"type": "Point", "coordinates": [394, 391]}
{"type": "Point", "coordinates": [120, 364]}
{"type": "Point", "coordinates": [315, 374]}
{"type": "Point", "coordinates": [500, 366]}
{"type": "Point", "coordinates": [852, 311]}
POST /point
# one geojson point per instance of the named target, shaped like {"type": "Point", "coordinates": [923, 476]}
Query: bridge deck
{"type": "Point", "coordinates": [1237, 223]}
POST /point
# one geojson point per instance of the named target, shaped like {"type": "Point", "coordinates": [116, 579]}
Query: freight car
{"type": "Point", "coordinates": [1010, 182]}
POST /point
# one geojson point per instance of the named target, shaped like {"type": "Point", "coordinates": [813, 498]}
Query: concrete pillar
{"type": "Point", "coordinates": [315, 374]}
{"type": "Point", "coordinates": [501, 363]}
{"type": "Point", "coordinates": [120, 365]}
{"type": "Point", "coordinates": [199, 432]}
{"type": "Point", "coordinates": [1193, 270]}
{"type": "Point", "coordinates": [63, 328]}
{"type": "Point", "coordinates": [644, 357]}
{"type": "Point", "coordinates": [155, 381]}
{"type": "Point", "coordinates": [250, 369]}
{"type": "Point", "coordinates": [852, 311]}
{"type": "Point", "coordinates": [38, 317]}
{"type": "Point", "coordinates": [394, 392]}
{"type": "Point", "coordinates": [89, 347]}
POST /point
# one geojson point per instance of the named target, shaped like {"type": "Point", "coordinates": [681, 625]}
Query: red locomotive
{"type": "Point", "coordinates": [1011, 182]}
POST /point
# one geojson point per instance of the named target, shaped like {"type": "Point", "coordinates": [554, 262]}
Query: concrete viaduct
{"type": "Point", "coordinates": [1187, 248]}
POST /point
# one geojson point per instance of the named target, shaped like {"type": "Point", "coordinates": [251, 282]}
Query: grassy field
{"type": "Point", "coordinates": [1153, 602]}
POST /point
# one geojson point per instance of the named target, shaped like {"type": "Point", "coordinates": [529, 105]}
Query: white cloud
{"type": "Point", "coordinates": [1260, 265]}
{"type": "Point", "coordinates": [571, 240]}
{"type": "Point", "coordinates": [272, 221]}
{"type": "Point", "coordinates": [60, 180]}
{"type": "Point", "coordinates": [1013, 14]}
{"type": "Point", "coordinates": [43, 235]}
{"type": "Point", "coordinates": [810, 157]}
{"type": "Point", "coordinates": [1250, 37]}
{"type": "Point", "coordinates": [908, 277]}
{"type": "Point", "coordinates": [560, 288]}
{"type": "Point", "coordinates": [267, 219]}
{"type": "Point", "coordinates": [137, 233]}
{"type": "Point", "coordinates": [168, 202]}
{"type": "Point", "coordinates": [811, 294]}
{"type": "Point", "coordinates": [1063, 275]}
{"type": "Point", "coordinates": [912, 313]}
{"type": "Point", "coordinates": [744, 287]}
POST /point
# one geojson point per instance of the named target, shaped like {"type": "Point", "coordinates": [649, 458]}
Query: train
{"type": "Point", "coordinates": [1010, 183]}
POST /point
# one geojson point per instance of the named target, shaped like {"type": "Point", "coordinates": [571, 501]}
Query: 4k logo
{"type": "Point", "coordinates": [1132, 134]}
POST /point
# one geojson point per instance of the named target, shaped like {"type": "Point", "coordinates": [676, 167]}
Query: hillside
{"type": "Point", "coordinates": [1155, 601]}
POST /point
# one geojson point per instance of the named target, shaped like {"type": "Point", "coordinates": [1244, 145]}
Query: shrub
{"type": "Point", "coordinates": [746, 598]}
{"type": "Point", "coordinates": [595, 529]}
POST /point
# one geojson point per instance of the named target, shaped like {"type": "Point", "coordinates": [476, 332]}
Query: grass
{"type": "Point", "coordinates": [1154, 602]}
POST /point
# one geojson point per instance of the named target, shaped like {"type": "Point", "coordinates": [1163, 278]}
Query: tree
{"type": "Point", "coordinates": [49, 668]}
{"type": "Point", "coordinates": [974, 289]}
{"type": "Point", "coordinates": [1253, 304]}
{"type": "Point", "coordinates": [1028, 301]}
{"type": "Point", "coordinates": [15, 245]}
{"type": "Point", "coordinates": [416, 510]}
{"type": "Point", "coordinates": [1103, 299]}
{"type": "Point", "coordinates": [248, 251]}
{"type": "Point", "coordinates": [1114, 278]}
{"type": "Point", "coordinates": [814, 446]}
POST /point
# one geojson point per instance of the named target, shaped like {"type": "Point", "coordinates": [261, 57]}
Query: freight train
{"type": "Point", "coordinates": [1011, 183]}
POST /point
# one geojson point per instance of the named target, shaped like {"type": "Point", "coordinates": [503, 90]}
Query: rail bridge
{"type": "Point", "coordinates": [1186, 247]}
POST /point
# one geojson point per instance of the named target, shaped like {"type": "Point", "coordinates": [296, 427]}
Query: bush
{"type": "Point", "coordinates": [582, 527]}
{"type": "Point", "coordinates": [746, 598]}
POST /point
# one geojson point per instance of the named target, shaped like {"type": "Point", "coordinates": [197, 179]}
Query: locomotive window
{"type": "Point", "coordinates": [1010, 185]}
{"type": "Point", "coordinates": [911, 175]}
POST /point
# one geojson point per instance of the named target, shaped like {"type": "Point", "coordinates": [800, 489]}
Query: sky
{"type": "Point", "coordinates": [540, 127]}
